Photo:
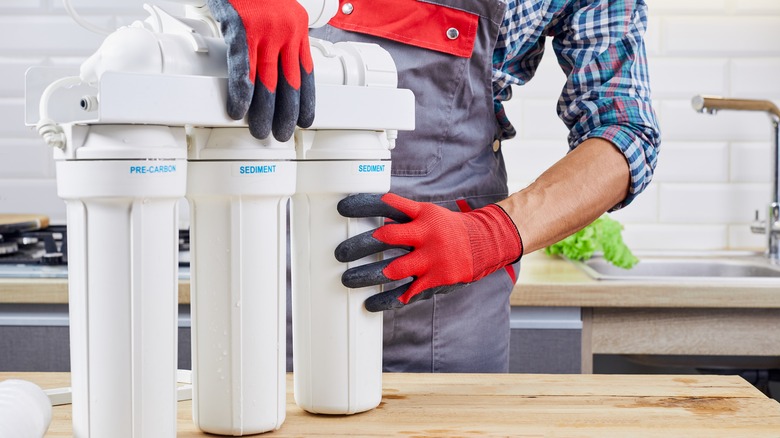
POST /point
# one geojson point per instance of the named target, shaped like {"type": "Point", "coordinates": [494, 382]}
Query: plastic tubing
{"type": "Point", "coordinates": [82, 22]}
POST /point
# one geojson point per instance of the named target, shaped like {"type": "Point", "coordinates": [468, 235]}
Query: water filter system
{"type": "Point", "coordinates": [151, 128]}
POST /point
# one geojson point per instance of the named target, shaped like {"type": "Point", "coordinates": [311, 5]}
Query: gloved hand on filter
{"type": "Point", "coordinates": [270, 69]}
{"type": "Point", "coordinates": [447, 249]}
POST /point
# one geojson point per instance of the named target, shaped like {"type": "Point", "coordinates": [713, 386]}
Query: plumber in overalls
{"type": "Point", "coordinates": [462, 234]}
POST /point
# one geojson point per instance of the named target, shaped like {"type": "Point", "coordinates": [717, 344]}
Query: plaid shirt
{"type": "Point", "coordinates": [600, 48]}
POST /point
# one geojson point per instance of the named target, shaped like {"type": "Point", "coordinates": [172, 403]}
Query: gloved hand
{"type": "Point", "coordinates": [270, 69]}
{"type": "Point", "coordinates": [447, 249]}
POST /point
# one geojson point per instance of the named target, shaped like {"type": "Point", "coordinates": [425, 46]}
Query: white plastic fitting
{"type": "Point", "coordinates": [156, 46]}
{"type": "Point", "coordinates": [25, 410]}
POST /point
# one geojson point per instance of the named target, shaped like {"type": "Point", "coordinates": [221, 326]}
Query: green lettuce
{"type": "Point", "coordinates": [603, 234]}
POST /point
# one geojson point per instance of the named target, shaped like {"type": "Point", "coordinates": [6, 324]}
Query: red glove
{"type": "Point", "coordinates": [270, 70]}
{"type": "Point", "coordinates": [447, 249]}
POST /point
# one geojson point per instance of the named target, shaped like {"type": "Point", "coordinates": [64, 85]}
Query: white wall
{"type": "Point", "coordinates": [713, 171]}
{"type": "Point", "coordinates": [32, 33]}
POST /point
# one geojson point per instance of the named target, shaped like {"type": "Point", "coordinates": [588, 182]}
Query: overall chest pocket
{"type": "Point", "coordinates": [432, 46]}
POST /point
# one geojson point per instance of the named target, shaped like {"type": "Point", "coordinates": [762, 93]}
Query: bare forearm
{"type": "Point", "coordinates": [569, 195]}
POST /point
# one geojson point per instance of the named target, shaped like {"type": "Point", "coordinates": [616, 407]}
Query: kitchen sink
{"type": "Point", "coordinates": [722, 266]}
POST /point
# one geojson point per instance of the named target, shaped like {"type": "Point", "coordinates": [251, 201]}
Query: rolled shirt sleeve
{"type": "Point", "coordinates": [600, 47]}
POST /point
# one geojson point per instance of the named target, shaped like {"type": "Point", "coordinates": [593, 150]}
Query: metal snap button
{"type": "Point", "coordinates": [452, 33]}
{"type": "Point", "coordinates": [347, 8]}
{"type": "Point", "coordinates": [496, 145]}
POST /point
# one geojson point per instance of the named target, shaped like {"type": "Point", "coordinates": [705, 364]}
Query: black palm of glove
{"type": "Point", "coordinates": [447, 249]}
{"type": "Point", "coordinates": [270, 69]}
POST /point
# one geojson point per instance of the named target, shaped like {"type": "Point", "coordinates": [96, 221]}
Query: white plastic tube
{"type": "Point", "coordinates": [123, 281]}
{"type": "Point", "coordinates": [25, 410]}
{"type": "Point", "coordinates": [238, 190]}
{"type": "Point", "coordinates": [337, 343]}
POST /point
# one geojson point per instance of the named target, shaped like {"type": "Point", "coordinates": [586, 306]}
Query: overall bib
{"type": "Point", "coordinates": [443, 52]}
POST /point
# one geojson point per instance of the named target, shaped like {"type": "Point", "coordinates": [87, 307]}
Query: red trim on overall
{"type": "Point", "coordinates": [465, 208]}
{"type": "Point", "coordinates": [411, 22]}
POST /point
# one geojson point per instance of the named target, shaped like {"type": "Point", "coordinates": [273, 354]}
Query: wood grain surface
{"type": "Point", "coordinates": [543, 281]}
{"type": "Point", "coordinates": [522, 405]}
{"type": "Point", "coordinates": [22, 222]}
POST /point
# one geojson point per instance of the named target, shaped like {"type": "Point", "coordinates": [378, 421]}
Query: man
{"type": "Point", "coordinates": [457, 228]}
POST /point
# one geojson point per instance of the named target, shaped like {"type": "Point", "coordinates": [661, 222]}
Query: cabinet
{"type": "Point", "coordinates": [34, 337]}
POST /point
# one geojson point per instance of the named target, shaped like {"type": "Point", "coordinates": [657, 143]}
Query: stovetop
{"type": "Point", "coordinates": [44, 254]}
{"type": "Point", "coordinates": [47, 246]}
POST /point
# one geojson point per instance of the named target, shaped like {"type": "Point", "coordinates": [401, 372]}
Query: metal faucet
{"type": "Point", "coordinates": [771, 226]}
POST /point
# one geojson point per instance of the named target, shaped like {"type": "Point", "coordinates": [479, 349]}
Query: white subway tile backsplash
{"type": "Point", "coordinates": [65, 61]}
{"type": "Point", "coordinates": [675, 237]}
{"type": "Point", "coordinates": [45, 35]}
{"type": "Point", "coordinates": [124, 12]}
{"type": "Point", "coordinates": [12, 120]}
{"type": "Point", "coordinates": [548, 81]}
{"type": "Point", "coordinates": [517, 185]}
{"type": "Point", "coordinates": [711, 203]}
{"type": "Point", "coordinates": [514, 106]}
{"type": "Point", "coordinates": [675, 77]}
{"type": "Point", "coordinates": [687, 6]}
{"type": "Point", "coordinates": [21, 159]}
{"type": "Point", "coordinates": [693, 162]}
{"type": "Point", "coordinates": [718, 36]}
{"type": "Point", "coordinates": [643, 209]}
{"type": "Point", "coordinates": [32, 196]}
{"type": "Point", "coordinates": [8, 6]}
{"type": "Point", "coordinates": [526, 159]}
{"type": "Point", "coordinates": [540, 121]}
{"type": "Point", "coordinates": [713, 171]}
{"type": "Point", "coordinates": [751, 162]}
{"type": "Point", "coordinates": [756, 6]}
{"type": "Point", "coordinates": [740, 237]}
{"type": "Point", "coordinates": [12, 74]}
{"type": "Point", "coordinates": [679, 122]}
{"type": "Point", "coordinates": [653, 35]}
{"type": "Point", "coordinates": [83, 6]}
{"type": "Point", "coordinates": [757, 78]}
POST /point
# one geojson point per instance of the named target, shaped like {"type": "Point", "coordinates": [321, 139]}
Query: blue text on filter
{"type": "Point", "coordinates": [165, 168]}
{"type": "Point", "coordinates": [366, 168]}
{"type": "Point", "coordinates": [248, 170]}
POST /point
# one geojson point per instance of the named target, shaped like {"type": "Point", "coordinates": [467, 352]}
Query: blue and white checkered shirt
{"type": "Point", "coordinates": [600, 48]}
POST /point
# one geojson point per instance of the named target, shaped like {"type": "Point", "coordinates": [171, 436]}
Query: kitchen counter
{"type": "Point", "coordinates": [698, 318]}
{"type": "Point", "coordinates": [543, 281]}
{"type": "Point", "coordinates": [711, 320]}
{"type": "Point", "coordinates": [444, 405]}
{"type": "Point", "coordinates": [553, 281]}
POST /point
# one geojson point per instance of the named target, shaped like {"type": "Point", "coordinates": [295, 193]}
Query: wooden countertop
{"type": "Point", "coordinates": [522, 405]}
{"type": "Point", "coordinates": [543, 281]}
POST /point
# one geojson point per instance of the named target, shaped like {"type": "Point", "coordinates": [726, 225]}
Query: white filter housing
{"type": "Point", "coordinates": [238, 188]}
{"type": "Point", "coordinates": [337, 343]}
{"type": "Point", "coordinates": [122, 278]}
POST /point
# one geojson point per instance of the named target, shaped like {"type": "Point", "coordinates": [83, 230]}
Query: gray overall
{"type": "Point", "coordinates": [448, 157]}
